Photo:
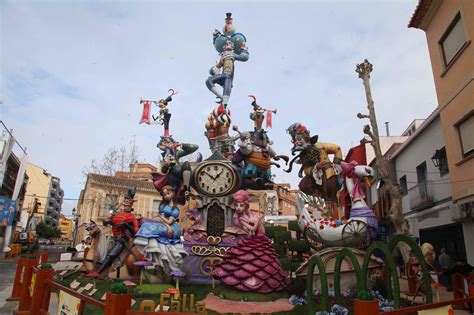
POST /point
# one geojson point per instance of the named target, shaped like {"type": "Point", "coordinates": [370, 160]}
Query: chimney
{"type": "Point", "coordinates": [387, 128]}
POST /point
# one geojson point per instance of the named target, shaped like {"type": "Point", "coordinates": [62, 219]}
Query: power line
{"type": "Point", "coordinates": [404, 171]}
{"type": "Point", "coordinates": [444, 181]}
{"type": "Point", "coordinates": [45, 197]}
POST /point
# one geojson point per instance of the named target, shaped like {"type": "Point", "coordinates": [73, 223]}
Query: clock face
{"type": "Point", "coordinates": [215, 179]}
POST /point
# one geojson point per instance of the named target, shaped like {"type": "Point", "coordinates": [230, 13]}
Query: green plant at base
{"type": "Point", "coordinates": [362, 272]}
{"type": "Point", "coordinates": [46, 266]}
{"type": "Point", "coordinates": [346, 252]}
{"type": "Point", "coordinates": [365, 296]}
{"type": "Point", "coordinates": [294, 226]}
{"type": "Point", "coordinates": [119, 288]}
{"type": "Point", "coordinates": [316, 261]}
{"type": "Point", "coordinates": [419, 254]}
{"type": "Point", "coordinates": [392, 275]}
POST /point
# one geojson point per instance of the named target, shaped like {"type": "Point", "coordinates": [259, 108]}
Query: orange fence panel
{"type": "Point", "coordinates": [25, 297]}
{"type": "Point", "coordinates": [17, 282]}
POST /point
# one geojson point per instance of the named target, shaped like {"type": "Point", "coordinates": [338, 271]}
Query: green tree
{"type": "Point", "coordinates": [45, 231]}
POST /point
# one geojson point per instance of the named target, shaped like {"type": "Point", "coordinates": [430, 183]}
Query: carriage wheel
{"type": "Point", "coordinates": [356, 233]}
{"type": "Point", "coordinates": [313, 239]}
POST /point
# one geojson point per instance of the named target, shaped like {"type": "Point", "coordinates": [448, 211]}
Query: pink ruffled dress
{"type": "Point", "coordinates": [252, 265]}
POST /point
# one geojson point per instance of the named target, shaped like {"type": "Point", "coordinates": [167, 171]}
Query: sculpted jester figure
{"type": "Point", "coordinates": [320, 173]}
{"type": "Point", "coordinates": [231, 47]}
{"type": "Point", "coordinates": [172, 172]}
{"type": "Point", "coordinates": [124, 227]}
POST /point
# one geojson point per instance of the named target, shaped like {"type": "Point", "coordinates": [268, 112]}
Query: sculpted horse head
{"type": "Point", "coordinates": [354, 175]}
{"type": "Point", "coordinates": [92, 228]}
{"type": "Point", "coordinates": [99, 246]}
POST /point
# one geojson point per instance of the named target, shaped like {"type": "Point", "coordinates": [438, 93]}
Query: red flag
{"type": "Point", "coordinates": [146, 113]}
{"type": "Point", "coordinates": [269, 119]}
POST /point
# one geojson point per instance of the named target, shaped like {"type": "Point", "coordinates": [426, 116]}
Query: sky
{"type": "Point", "coordinates": [72, 73]}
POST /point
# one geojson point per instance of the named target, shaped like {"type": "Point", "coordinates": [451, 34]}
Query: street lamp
{"type": "Point", "coordinates": [438, 158]}
{"type": "Point", "coordinates": [76, 221]}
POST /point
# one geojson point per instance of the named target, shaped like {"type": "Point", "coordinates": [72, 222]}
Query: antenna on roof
{"type": "Point", "coordinates": [387, 128]}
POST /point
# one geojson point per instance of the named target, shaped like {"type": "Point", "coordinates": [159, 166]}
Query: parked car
{"type": "Point", "coordinates": [44, 241]}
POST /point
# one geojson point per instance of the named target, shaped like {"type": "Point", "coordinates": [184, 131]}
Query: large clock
{"type": "Point", "coordinates": [215, 178]}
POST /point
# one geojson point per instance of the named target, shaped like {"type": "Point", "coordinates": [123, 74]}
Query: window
{"type": "Point", "coordinates": [155, 206]}
{"type": "Point", "coordinates": [421, 175]}
{"type": "Point", "coordinates": [147, 204]}
{"type": "Point", "coordinates": [403, 185]}
{"type": "Point", "coordinates": [466, 135]}
{"type": "Point", "coordinates": [453, 40]}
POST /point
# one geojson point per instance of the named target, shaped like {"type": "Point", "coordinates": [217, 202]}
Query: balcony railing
{"type": "Point", "coordinates": [422, 196]}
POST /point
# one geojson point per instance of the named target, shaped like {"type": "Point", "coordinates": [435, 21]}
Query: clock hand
{"type": "Point", "coordinates": [217, 176]}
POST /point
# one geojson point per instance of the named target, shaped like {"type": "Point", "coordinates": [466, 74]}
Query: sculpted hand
{"type": "Point", "coordinates": [337, 169]}
{"type": "Point", "coordinates": [214, 70]}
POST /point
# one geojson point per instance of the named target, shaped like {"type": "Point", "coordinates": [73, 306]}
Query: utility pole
{"type": "Point", "coordinates": [395, 214]}
{"type": "Point", "coordinates": [36, 205]}
{"type": "Point", "coordinates": [75, 219]}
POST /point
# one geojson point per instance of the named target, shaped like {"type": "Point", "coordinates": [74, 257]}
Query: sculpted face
{"type": "Point", "coordinates": [260, 138]}
{"type": "Point", "coordinates": [166, 143]}
{"type": "Point", "coordinates": [300, 136]}
{"type": "Point", "coordinates": [239, 207]}
{"type": "Point", "coordinates": [168, 194]}
{"type": "Point", "coordinates": [127, 205]}
{"type": "Point", "coordinates": [170, 160]}
{"type": "Point", "coordinates": [300, 143]}
{"type": "Point", "coordinates": [229, 46]}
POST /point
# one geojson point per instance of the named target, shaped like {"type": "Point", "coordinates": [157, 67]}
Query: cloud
{"type": "Point", "coordinates": [73, 73]}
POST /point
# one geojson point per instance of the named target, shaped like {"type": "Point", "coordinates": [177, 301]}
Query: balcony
{"type": "Point", "coordinates": [422, 196]}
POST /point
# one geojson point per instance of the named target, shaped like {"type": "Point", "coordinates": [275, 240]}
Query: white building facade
{"type": "Point", "coordinates": [426, 189]}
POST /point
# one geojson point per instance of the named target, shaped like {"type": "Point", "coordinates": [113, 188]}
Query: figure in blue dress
{"type": "Point", "coordinates": [159, 239]}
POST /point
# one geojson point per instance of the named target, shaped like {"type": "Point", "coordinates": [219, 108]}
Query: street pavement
{"type": "Point", "coordinates": [7, 275]}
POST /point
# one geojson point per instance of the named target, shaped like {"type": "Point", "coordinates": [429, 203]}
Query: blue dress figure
{"type": "Point", "coordinates": [160, 239]}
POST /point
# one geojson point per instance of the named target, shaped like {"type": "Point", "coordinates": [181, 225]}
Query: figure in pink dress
{"type": "Point", "coordinates": [243, 218]}
{"type": "Point", "coordinates": [252, 264]}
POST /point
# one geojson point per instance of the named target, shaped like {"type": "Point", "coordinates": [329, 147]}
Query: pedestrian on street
{"type": "Point", "coordinates": [446, 263]}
